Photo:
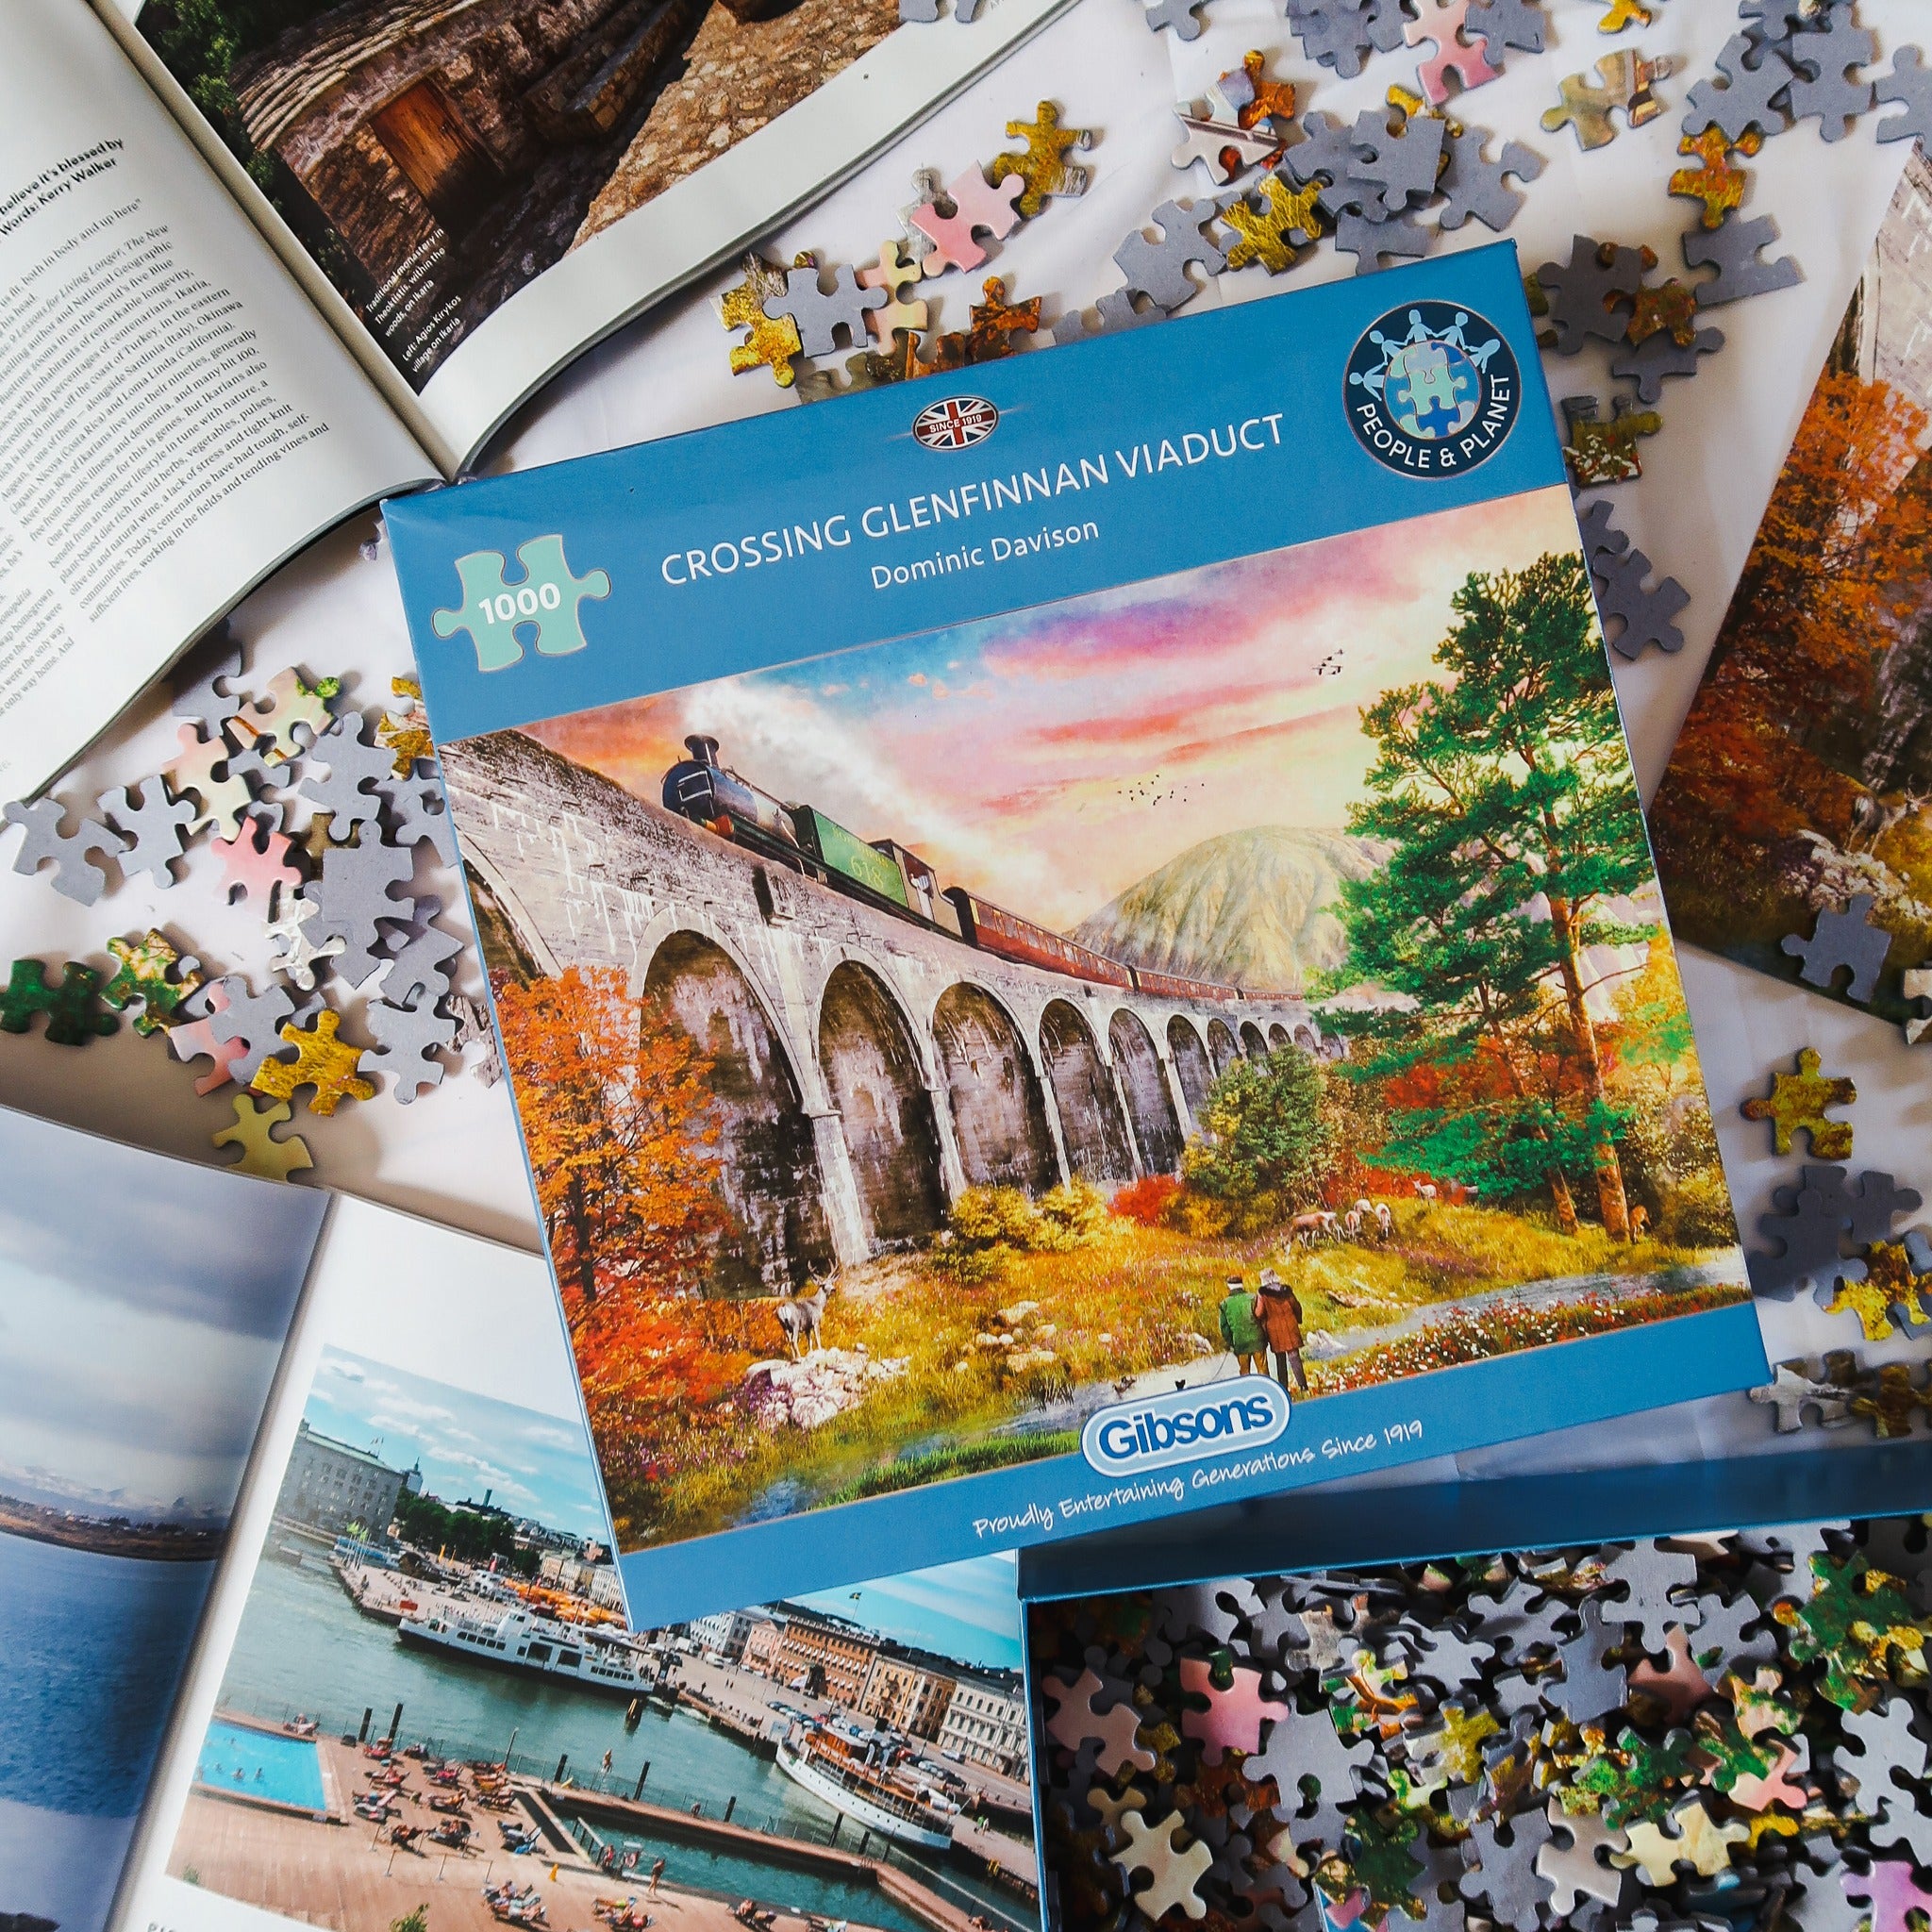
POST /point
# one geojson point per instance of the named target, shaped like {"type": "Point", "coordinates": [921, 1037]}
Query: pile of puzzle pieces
{"type": "Point", "coordinates": [336, 901]}
{"type": "Point", "coordinates": [1726, 1732]}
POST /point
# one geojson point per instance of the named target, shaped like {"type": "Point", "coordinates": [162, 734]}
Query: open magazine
{"type": "Point", "coordinates": [263, 263]}
{"type": "Point", "coordinates": [421, 1685]}
{"type": "Point", "coordinates": [143, 1304]}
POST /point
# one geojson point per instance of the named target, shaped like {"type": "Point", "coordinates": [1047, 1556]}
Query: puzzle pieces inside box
{"type": "Point", "coordinates": [539, 606]}
{"type": "Point", "coordinates": [1076, 1721]}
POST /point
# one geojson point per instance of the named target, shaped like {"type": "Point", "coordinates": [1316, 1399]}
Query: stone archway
{"type": "Point", "coordinates": [871, 1071]}
{"type": "Point", "coordinates": [1091, 1128]}
{"type": "Point", "coordinates": [1190, 1062]}
{"type": "Point", "coordinates": [1150, 1109]}
{"type": "Point", "coordinates": [1277, 1038]}
{"type": "Point", "coordinates": [1307, 1039]}
{"type": "Point", "coordinates": [767, 1164]}
{"type": "Point", "coordinates": [999, 1112]}
{"type": "Point", "coordinates": [1254, 1042]}
{"type": "Point", "coordinates": [1222, 1049]}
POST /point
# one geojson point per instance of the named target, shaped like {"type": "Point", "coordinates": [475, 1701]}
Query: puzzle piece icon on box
{"type": "Point", "coordinates": [542, 607]}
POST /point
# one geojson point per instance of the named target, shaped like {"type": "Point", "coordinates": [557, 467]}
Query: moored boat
{"type": "Point", "coordinates": [530, 1646]}
{"type": "Point", "coordinates": [851, 1776]}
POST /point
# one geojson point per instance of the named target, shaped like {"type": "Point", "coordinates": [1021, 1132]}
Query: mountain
{"type": "Point", "coordinates": [1251, 908]}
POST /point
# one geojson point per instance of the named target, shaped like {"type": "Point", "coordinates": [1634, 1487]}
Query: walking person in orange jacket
{"type": "Point", "coordinates": [1281, 1321]}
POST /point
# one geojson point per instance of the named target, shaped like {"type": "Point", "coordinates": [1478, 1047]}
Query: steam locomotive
{"type": "Point", "coordinates": [885, 875]}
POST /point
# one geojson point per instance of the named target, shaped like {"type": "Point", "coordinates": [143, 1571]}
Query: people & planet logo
{"type": "Point", "coordinates": [1432, 388]}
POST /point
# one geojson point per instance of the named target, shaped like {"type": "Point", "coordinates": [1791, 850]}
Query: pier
{"type": "Point", "coordinates": [349, 1876]}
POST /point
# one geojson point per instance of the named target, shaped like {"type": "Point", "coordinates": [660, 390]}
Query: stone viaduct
{"type": "Point", "coordinates": [867, 1069]}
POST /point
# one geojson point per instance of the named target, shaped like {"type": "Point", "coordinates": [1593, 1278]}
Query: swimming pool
{"type": "Point", "coordinates": [240, 1762]}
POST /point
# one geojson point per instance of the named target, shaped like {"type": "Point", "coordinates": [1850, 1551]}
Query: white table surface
{"type": "Point", "coordinates": [454, 1153]}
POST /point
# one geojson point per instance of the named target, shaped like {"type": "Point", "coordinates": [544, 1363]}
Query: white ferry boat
{"type": "Point", "coordinates": [847, 1774]}
{"type": "Point", "coordinates": [532, 1647]}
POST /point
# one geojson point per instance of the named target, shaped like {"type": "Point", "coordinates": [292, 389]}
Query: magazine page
{"type": "Point", "coordinates": [1802, 776]}
{"type": "Point", "coordinates": [1038, 1046]}
{"type": "Point", "coordinates": [136, 1353]}
{"type": "Point", "coordinates": [480, 193]}
{"type": "Point", "coordinates": [174, 419]}
{"type": "Point", "coordinates": [423, 1688]}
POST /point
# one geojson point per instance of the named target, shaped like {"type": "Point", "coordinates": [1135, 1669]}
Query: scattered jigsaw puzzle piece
{"type": "Point", "coordinates": [292, 951]}
{"type": "Point", "coordinates": [1626, 81]}
{"type": "Point", "coordinates": [205, 702]}
{"type": "Point", "coordinates": [72, 853]}
{"type": "Point", "coordinates": [1810, 1234]}
{"type": "Point", "coordinates": [996, 321]}
{"type": "Point", "coordinates": [321, 1061]}
{"type": "Point", "coordinates": [473, 1041]}
{"type": "Point", "coordinates": [1733, 251]}
{"type": "Point", "coordinates": [354, 894]}
{"type": "Point", "coordinates": [1659, 355]}
{"type": "Point", "coordinates": [249, 1019]}
{"type": "Point", "coordinates": [1909, 85]}
{"type": "Point", "coordinates": [544, 603]}
{"type": "Point", "coordinates": [1644, 614]}
{"type": "Point", "coordinates": [1500, 23]}
{"type": "Point", "coordinates": [1473, 185]}
{"type": "Point", "coordinates": [1585, 294]}
{"type": "Point", "coordinates": [254, 863]}
{"type": "Point", "coordinates": [820, 314]}
{"type": "Point", "coordinates": [287, 708]}
{"type": "Point", "coordinates": [1160, 270]}
{"type": "Point", "coordinates": [261, 1154]}
{"type": "Point", "coordinates": [1602, 453]}
{"type": "Point", "coordinates": [976, 207]}
{"type": "Point", "coordinates": [1747, 101]}
{"type": "Point", "coordinates": [1405, 165]}
{"type": "Point", "coordinates": [1225, 148]}
{"type": "Point", "coordinates": [68, 1005]}
{"type": "Point", "coordinates": [1823, 89]}
{"type": "Point", "coordinates": [1115, 311]}
{"type": "Point", "coordinates": [405, 734]}
{"type": "Point", "coordinates": [1274, 223]}
{"type": "Point", "coordinates": [1443, 24]}
{"type": "Point", "coordinates": [154, 826]}
{"type": "Point", "coordinates": [189, 1039]}
{"type": "Point", "coordinates": [1798, 1101]}
{"type": "Point", "coordinates": [1715, 181]}
{"type": "Point", "coordinates": [767, 344]}
{"type": "Point", "coordinates": [1792, 1391]}
{"type": "Point", "coordinates": [1041, 164]}
{"type": "Point", "coordinates": [150, 969]}
{"type": "Point", "coordinates": [1368, 241]}
{"type": "Point", "coordinates": [891, 273]}
{"type": "Point", "coordinates": [408, 1039]}
{"type": "Point", "coordinates": [1848, 940]}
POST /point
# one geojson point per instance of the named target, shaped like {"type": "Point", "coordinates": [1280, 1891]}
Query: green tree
{"type": "Point", "coordinates": [1266, 1133]}
{"type": "Point", "coordinates": [417, 1921]}
{"type": "Point", "coordinates": [1508, 797]}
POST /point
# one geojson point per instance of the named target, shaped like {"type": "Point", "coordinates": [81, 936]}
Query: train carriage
{"type": "Point", "coordinates": [994, 930]}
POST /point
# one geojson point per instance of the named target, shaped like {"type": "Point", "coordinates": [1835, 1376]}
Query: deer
{"type": "Point", "coordinates": [801, 1318]}
{"type": "Point", "coordinates": [1872, 818]}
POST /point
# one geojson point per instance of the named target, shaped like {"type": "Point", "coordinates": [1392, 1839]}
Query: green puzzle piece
{"type": "Point", "coordinates": [69, 1007]}
{"type": "Point", "coordinates": [496, 613]}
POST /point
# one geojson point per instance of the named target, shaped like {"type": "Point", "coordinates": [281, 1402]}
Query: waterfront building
{"type": "Point", "coordinates": [826, 1656]}
{"type": "Point", "coordinates": [985, 1723]}
{"type": "Point", "coordinates": [596, 1583]}
{"type": "Point", "coordinates": [329, 1485]}
{"type": "Point", "coordinates": [908, 1692]}
{"type": "Point", "coordinates": [725, 1632]}
{"type": "Point", "coordinates": [763, 1644]}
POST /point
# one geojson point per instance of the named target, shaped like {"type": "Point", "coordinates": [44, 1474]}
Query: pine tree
{"type": "Point", "coordinates": [1507, 793]}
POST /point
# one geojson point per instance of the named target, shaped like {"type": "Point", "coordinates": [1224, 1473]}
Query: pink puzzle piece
{"type": "Point", "coordinates": [1773, 1788]}
{"type": "Point", "coordinates": [976, 205]}
{"type": "Point", "coordinates": [1444, 26]}
{"type": "Point", "coordinates": [255, 861]}
{"type": "Point", "coordinates": [1232, 1722]}
{"type": "Point", "coordinates": [1891, 1890]}
{"type": "Point", "coordinates": [188, 1038]}
{"type": "Point", "coordinates": [1075, 1722]}
{"type": "Point", "coordinates": [1681, 1688]}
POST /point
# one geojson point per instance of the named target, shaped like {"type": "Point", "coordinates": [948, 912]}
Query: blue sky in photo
{"type": "Point", "coordinates": [968, 1612]}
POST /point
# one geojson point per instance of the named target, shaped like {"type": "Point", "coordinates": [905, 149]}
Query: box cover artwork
{"type": "Point", "coordinates": [1060, 964]}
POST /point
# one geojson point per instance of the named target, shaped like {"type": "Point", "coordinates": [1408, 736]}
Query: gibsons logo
{"type": "Point", "coordinates": [1185, 1426]}
{"type": "Point", "coordinates": [957, 422]}
{"type": "Point", "coordinates": [1432, 388]}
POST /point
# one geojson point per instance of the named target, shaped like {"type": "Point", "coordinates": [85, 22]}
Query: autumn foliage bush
{"type": "Point", "coordinates": [1146, 1201]}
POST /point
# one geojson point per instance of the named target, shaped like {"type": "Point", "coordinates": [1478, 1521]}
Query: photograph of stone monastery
{"type": "Point", "coordinates": [920, 1046]}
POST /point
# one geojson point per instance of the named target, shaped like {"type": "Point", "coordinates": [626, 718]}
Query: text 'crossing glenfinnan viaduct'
{"type": "Point", "coordinates": [867, 1069]}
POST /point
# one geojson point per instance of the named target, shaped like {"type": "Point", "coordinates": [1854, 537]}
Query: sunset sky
{"type": "Point", "coordinates": [1051, 759]}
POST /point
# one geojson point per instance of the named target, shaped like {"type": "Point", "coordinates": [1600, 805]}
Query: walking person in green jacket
{"type": "Point", "coordinates": [1241, 1326]}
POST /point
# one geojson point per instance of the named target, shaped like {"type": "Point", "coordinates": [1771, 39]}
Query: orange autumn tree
{"type": "Point", "coordinates": [1839, 560]}
{"type": "Point", "coordinates": [617, 1115]}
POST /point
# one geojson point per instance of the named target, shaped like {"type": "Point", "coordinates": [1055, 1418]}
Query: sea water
{"type": "Point", "coordinates": [92, 1648]}
{"type": "Point", "coordinates": [302, 1649]}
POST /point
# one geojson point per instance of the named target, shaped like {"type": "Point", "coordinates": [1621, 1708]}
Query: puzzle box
{"type": "Point", "coordinates": [1060, 962]}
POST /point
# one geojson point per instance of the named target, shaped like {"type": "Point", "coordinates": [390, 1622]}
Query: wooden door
{"type": "Point", "coordinates": [444, 162]}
